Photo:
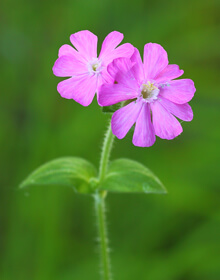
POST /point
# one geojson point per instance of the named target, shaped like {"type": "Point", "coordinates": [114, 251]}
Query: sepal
{"type": "Point", "coordinates": [111, 109]}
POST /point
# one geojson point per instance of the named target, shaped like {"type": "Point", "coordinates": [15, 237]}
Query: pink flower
{"type": "Point", "coordinates": [154, 97]}
{"type": "Point", "coordinates": [87, 71]}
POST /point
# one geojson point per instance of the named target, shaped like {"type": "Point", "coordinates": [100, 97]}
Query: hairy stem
{"type": "Point", "coordinates": [103, 240]}
{"type": "Point", "coordinates": [106, 150]}
{"type": "Point", "coordinates": [100, 206]}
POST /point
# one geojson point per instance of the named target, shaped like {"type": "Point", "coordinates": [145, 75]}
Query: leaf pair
{"type": "Point", "coordinates": [123, 175]}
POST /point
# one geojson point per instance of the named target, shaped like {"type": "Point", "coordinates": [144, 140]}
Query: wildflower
{"type": "Point", "coordinates": [87, 71]}
{"type": "Point", "coordinates": [153, 97]}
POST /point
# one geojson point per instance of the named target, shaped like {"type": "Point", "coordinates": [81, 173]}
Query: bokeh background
{"type": "Point", "coordinates": [49, 233]}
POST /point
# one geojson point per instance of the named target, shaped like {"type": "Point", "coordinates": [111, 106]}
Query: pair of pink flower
{"type": "Point", "coordinates": [117, 75]}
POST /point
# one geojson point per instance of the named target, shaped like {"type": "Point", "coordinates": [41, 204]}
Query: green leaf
{"type": "Point", "coordinates": [125, 175]}
{"type": "Point", "coordinates": [112, 108]}
{"type": "Point", "coordinates": [69, 171]}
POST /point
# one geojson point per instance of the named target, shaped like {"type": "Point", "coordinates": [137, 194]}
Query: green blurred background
{"type": "Point", "coordinates": [49, 233]}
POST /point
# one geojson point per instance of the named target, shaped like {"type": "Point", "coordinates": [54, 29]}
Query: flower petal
{"type": "Point", "coordinates": [137, 69]}
{"type": "Point", "coordinates": [124, 118]}
{"type": "Point", "coordinates": [70, 51]}
{"type": "Point", "coordinates": [110, 43]}
{"type": "Point", "coordinates": [125, 50]}
{"type": "Point", "coordinates": [67, 66]}
{"type": "Point", "coordinates": [86, 43]}
{"type": "Point", "coordinates": [122, 65]}
{"type": "Point", "coordinates": [110, 94]}
{"type": "Point", "coordinates": [155, 60]}
{"type": "Point", "coordinates": [166, 126]}
{"type": "Point", "coordinates": [80, 88]}
{"type": "Point", "coordinates": [144, 135]}
{"type": "Point", "coordinates": [181, 111]}
{"type": "Point", "coordinates": [108, 74]}
{"type": "Point", "coordinates": [119, 64]}
{"type": "Point", "coordinates": [103, 78]}
{"type": "Point", "coordinates": [66, 50]}
{"type": "Point", "coordinates": [172, 71]}
{"type": "Point", "coordinates": [179, 91]}
{"type": "Point", "coordinates": [120, 70]}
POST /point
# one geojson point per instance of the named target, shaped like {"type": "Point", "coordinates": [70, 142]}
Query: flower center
{"type": "Point", "coordinates": [95, 66]}
{"type": "Point", "coordinates": [149, 92]}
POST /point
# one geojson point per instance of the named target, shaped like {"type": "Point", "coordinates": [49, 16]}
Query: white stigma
{"type": "Point", "coordinates": [95, 66]}
{"type": "Point", "coordinates": [149, 92]}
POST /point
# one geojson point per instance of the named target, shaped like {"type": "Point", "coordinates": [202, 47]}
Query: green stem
{"type": "Point", "coordinates": [106, 150]}
{"type": "Point", "coordinates": [100, 206]}
{"type": "Point", "coordinates": [103, 240]}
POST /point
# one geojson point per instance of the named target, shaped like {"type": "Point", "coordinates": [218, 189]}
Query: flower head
{"type": "Point", "coordinates": [86, 70]}
{"type": "Point", "coordinates": [153, 96]}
